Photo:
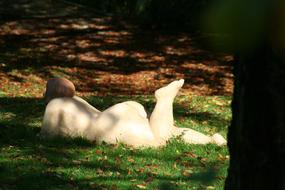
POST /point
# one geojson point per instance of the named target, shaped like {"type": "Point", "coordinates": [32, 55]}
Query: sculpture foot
{"type": "Point", "coordinates": [219, 139]}
{"type": "Point", "coordinates": [170, 90]}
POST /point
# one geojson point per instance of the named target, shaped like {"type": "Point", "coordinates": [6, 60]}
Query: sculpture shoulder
{"type": "Point", "coordinates": [86, 104]}
{"type": "Point", "coordinates": [71, 103]}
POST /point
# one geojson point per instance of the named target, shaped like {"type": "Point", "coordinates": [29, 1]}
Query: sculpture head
{"type": "Point", "coordinates": [58, 87]}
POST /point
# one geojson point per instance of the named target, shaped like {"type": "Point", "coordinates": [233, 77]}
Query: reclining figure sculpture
{"type": "Point", "coordinates": [124, 122]}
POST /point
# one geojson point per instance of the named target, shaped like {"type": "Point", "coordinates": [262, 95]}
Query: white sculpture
{"type": "Point", "coordinates": [125, 122]}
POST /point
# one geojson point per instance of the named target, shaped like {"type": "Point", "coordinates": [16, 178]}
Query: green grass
{"type": "Point", "coordinates": [27, 162]}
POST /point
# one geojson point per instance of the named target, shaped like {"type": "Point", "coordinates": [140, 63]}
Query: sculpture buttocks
{"type": "Point", "coordinates": [125, 122]}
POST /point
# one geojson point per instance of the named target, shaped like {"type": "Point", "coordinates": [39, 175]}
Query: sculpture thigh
{"type": "Point", "coordinates": [124, 122]}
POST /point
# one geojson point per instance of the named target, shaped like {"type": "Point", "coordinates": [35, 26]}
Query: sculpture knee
{"type": "Point", "coordinates": [138, 107]}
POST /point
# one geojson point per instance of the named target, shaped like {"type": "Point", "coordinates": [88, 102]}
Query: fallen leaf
{"type": "Point", "coordinates": [118, 160]}
{"type": "Point", "coordinates": [187, 164]}
{"type": "Point", "coordinates": [118, 173]}
{"type": "Point", "coordinates": [88, 177]}
{"type": "Point", "coordinates": [110, 173]}
{"type": "Point", "coordinates": [152, 166]}
{"type": "Point", "coordinates": [190, 154]}
{"type": "Point", "coordinates": [187, 173]}
{"type": "Point", "coordinates": [222, 158]}
{"type": "Point", "coordinates": [141, 186]}
{"type": "Point", "coordinates": [149, 179]}
{"type": "Point", "coordinates": [141, 170]}
{"type": "Point", "coordinates": [203, 159]}
{"type": "Point", "coordinates": [99, 171]}
{"type": "Point", "coordinates": [77, 162]}
{"type": "Point", "coordinates": [98, 151]}
{"type": "Point", "coordinates": [131, 160]}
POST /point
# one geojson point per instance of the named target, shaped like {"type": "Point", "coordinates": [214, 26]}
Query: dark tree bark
{"type": "Point", "coordinates": [256, 137]}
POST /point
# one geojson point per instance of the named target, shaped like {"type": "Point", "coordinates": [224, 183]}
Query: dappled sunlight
{"type": "Point", "coordinates": [104, 56]}
{"type": "Point", "coordinates": [81, 24]}
{"type": "Point", "coordinates": [113, 53]}
{"type": "Point", "coordinates": [114, 33]}
{"type": "Point", "coordinates": [13, 28]}
{"type": "Point", "coordinates": [90, 57]}
{"type": "Point", "coordinates": [82, 43]}
{"type": "Point", "coordinates": [170, 50]}
{"type": "Point", "coordinates": [146, 57]}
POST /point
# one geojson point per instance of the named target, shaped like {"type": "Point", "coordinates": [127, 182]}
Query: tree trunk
{"type": "Point", "coordinates": [256, 137]}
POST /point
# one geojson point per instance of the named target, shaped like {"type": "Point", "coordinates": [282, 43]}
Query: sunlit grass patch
{"type": "Point", "coordinates": [28, 162]}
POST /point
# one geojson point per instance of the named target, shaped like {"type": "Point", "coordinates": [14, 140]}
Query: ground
{"type": "Point", "coordinates": [110, 61]}
{"type": "Point", "coordinates": [100, 54]}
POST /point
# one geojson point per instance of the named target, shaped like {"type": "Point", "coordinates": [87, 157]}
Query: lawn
{"type": "Point", "coordinates": [28, 162]}
{"type": "Point", "coordinates": [109, 61]}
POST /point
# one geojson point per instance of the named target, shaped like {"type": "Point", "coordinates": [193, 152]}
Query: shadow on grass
{"type": "Point", "coordinates": [29, 162]}
{"type": "Point", "coordinates": [42, 168]}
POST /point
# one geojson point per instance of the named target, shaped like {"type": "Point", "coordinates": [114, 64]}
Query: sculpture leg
{"type": "Point", "coordinates": [194, 137]}
{"type": "Point", "coordinates": [161, 119]}
{"type": "Point", "coordinates": [126, 123]}
{"type": "Point", "coordinates": [162, 122]}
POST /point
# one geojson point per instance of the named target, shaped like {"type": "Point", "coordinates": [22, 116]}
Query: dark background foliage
{"type": "Point", "coordinates": [162, 14]}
